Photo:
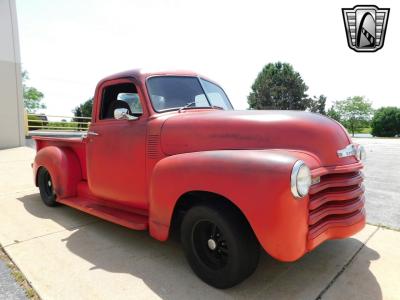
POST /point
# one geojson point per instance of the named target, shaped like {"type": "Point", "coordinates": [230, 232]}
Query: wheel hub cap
{"type": "Point", "coordinates": [211, 244]}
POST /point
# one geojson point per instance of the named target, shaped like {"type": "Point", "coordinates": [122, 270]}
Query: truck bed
{"type": "Point", "coordinates": [76, 143]}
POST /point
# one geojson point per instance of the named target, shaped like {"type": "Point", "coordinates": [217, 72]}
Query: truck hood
{"type": "Point", "coordinates": [319, 136]}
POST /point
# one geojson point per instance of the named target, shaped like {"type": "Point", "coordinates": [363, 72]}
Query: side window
{"type": "Point", "coordinates": [122, 95]}
{"type": "Point", "coordinates": [216, 95]}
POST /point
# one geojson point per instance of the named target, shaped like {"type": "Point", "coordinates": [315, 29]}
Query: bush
{"type": "Point", "coordinates": [386, 122]}
{"type": "Point", "coordinates": [34, 121]}
{"type": "Point", "coordinates": [66, 126]}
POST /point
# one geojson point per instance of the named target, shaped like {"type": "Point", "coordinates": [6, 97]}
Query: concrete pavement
{"type": "Point", "coordinates": [66, 254]}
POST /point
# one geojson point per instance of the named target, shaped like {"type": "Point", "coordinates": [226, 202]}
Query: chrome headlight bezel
{"type": "Point", "coordinates": [300, 179]}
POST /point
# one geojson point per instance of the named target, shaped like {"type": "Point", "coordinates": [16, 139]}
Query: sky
{"type": "Point", "coordinates": [68, 46]}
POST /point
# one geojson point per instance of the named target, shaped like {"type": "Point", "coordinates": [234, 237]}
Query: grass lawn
{"type": "Point", "coordinates": [364, 130]}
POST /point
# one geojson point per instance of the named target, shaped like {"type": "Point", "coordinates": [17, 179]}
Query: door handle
{"type": "Point", "coordinates": [92, 133]}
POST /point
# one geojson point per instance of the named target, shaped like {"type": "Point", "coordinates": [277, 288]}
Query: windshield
{"type": "Point", "coordinates": [174, 92]}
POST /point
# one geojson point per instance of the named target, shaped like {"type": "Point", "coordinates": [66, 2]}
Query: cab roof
{"type": "Point", "coordinates": [143, 74]}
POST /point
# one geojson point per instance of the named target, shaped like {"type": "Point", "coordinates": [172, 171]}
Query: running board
{"type": "Point", "coordinates": [121, 217]}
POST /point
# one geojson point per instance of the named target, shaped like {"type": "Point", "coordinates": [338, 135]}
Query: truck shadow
{"type": "Point", "coordinates": [163, 268]}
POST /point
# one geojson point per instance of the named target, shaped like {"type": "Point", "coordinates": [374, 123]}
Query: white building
{"type": "Point", "coordinates": [11, 103]}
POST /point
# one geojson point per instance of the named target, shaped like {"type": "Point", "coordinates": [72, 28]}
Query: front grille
{"type": "Point", "coordinates": [336, 201]}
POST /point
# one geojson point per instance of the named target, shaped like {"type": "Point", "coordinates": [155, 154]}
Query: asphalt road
{"type": "Point", "coordinates": [382, 180]}
{"type": "Point", "coordinates": [9, 289]}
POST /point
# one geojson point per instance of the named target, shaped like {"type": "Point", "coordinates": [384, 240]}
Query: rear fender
{"type": "Point", "coordinates": [63, 166]}
{"type": "Point", "coordinates": [256, 181]}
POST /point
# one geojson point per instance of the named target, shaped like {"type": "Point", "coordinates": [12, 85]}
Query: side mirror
{"type": "Point", "coordinates": [123, 114]}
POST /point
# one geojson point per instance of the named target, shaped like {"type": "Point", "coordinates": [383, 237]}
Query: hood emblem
{"type": "Point", "coordinates": [350, 150]}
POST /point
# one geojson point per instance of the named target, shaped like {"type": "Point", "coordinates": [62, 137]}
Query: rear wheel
{"type": "Point", "coordinates": [219, 245]}
{"type": "Point", "coordinates": [46, 188]}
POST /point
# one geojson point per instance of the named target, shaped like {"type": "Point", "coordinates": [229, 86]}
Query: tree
{"type": "Point", "coordinates": [386, 122]}
{"type": "Point", "coordinates": [317, 105]}
{"type": "Point", "coordinates": [355, 112]}
{"type": "Point", "coordinates": [83, 110]}
{"type": "Point", "coordinates": [332, 113]}
{"type": "Point", "coordinates": [32, 97]}
{"type": "Point", "coordinates": [278, 86]}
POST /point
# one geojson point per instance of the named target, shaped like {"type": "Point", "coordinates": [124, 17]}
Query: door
{"type": "Point", "coordinates": [116, 148]}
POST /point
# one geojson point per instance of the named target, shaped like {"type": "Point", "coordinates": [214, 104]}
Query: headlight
{"type": "Point", "coordinates": [300, 180]}
{"type": "Point", "coordinates": [360, 153]}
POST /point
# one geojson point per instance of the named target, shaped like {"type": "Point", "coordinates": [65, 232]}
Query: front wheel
{"type": "Point", "coordinates": [46, 188]}
{"type": "Point", "coordinates": [219, 245]}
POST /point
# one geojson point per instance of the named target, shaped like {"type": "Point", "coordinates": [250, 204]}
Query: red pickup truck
{"type": "Point", "coordinates": [166, 152]}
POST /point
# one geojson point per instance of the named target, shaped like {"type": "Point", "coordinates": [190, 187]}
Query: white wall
{"type": "Point", "coordinates": [11, 104]}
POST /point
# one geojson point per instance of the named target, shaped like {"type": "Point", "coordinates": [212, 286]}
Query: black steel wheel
{"type": "Point", "coordinates": [46, 187]}
{"type": "Point", "coordinates": [219, 245]}
{"type": "Point", "coordinates": [210, 245]}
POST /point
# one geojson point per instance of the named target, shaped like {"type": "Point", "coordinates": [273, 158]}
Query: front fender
{"type": "Point", "coordinates": [256, 181]}
{"type": "Point", "coordinates": [63, 166]}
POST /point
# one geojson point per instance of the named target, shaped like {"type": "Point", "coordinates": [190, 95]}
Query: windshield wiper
{"type": "Point", "coordinates": [187, 106]}
{"type": "Point", "coordinates": [194, 102]}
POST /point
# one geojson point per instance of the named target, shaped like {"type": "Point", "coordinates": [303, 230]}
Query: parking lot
{"type": "Point", "coordinates": [382, 181]}
{"type": "Point", "coordinates": [66, 254]}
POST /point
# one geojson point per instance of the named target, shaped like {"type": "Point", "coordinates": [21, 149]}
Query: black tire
{"type": "Point", "coordinates": [46, 188]}
{"type": "Point", "coordinates": [233, 253]}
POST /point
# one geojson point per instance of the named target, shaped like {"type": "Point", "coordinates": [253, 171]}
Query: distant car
{"type": "Point", "coordinates": [166, 151]}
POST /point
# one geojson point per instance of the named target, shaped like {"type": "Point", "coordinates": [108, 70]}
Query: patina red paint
{"type": "Point", "coordinates": [134, 172]}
